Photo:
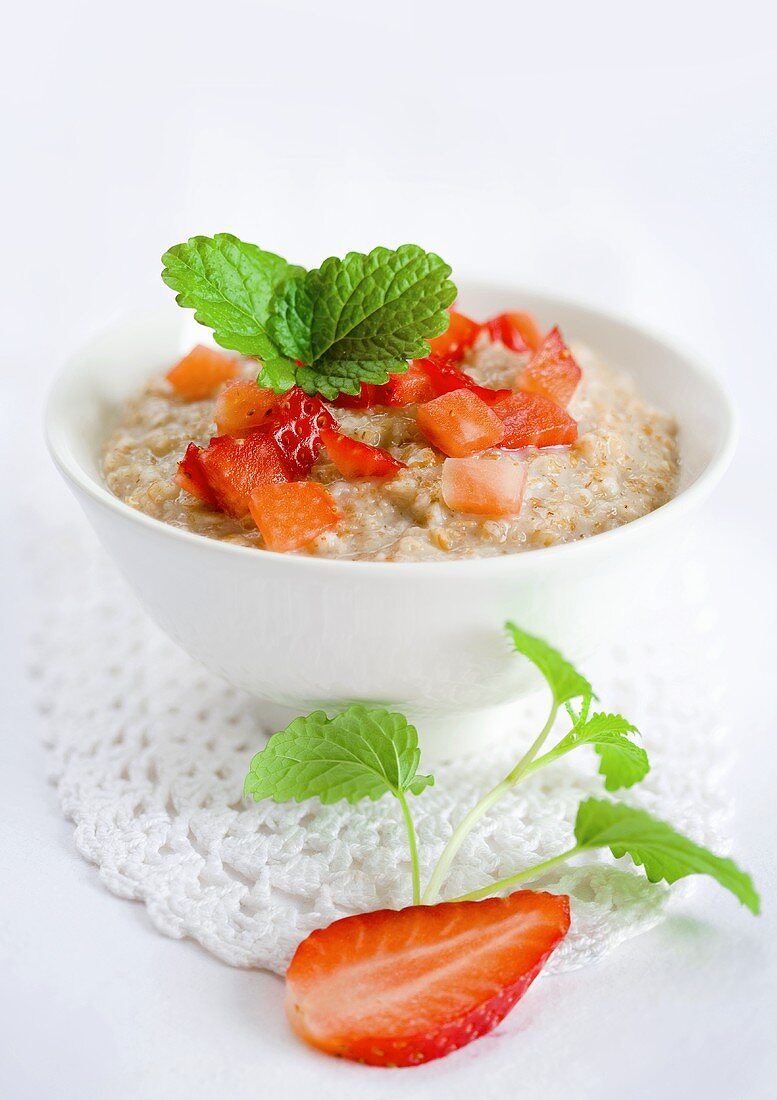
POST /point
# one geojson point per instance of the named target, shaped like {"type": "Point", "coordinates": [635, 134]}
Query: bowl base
{"type": "Point", "coordinates": [442, 738]}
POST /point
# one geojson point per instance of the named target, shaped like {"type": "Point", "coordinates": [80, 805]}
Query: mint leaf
{"type": "Point", "coordinates": [564, 681]}
{"type": "Point", "coordinates": [361, 753]}
{"type": "Point", "coordinates": [333, 378]}
{"type": "Point", "coordinates": [229, 284]}
{"type": "Point", "coordinates": [382, 307]}
{"type": "Point", "coordinates": [622, 762]}
{"type": "Point", "coordinates": [665, 854]}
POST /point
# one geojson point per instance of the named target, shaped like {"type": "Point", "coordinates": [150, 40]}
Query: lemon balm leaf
{"type": "Point", "coordinates": [349, 322]}
{"type": "Point", "coordinates": [361, 753]}
{"type": "Point", "coordinates": [331, 378]}
{"type": "Point", "coordinates": [383, 306]}
{"type": "Point", "coordinates": [564, 681]}
{"type": "Point", "coordinates": [622, 762]}
{"type": "Point", "coordinates": [665, 854]}
{"type": "Point", "coordinates": [229, 284]}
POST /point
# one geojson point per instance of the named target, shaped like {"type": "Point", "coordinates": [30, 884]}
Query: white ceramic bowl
{"type": "Point", "coordinates": [301, 633]}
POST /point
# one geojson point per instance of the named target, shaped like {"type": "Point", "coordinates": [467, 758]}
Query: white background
{"type": "Point", "coordinates": [625, 154]}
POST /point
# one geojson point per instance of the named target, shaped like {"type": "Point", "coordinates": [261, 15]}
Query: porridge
{"type": "Point", "coordinates": [431, 481]}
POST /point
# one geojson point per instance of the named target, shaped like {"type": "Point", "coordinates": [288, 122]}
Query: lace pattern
{"type": "Point", "coordinates": [148, 753]}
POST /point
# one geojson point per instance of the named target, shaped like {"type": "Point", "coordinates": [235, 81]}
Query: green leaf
{"type": "Point", "coordinates": [665, 854]}
{"type": "Point", "coordinates": [278, 374]}
{"type": "Point", "coordinates": [361, 753]}
{"type": "Point", "coordinates": [564, 681]}
{"type": "Point", "coordinates": [622, 762]}
{"type": "Point", "coordinates": [229, 284]}
{"type": "Point", "coordinates": [380, 307]}
{"type": "Point", "coordinates": [331, 378]}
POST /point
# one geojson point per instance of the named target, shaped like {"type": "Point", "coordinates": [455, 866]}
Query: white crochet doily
{"type": "Point", "coordinates": [149, 752]}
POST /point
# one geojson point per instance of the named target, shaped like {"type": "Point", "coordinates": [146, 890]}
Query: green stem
{"type": "Point", "coordinates": [521, 876]}
{"type": "Point", "coordinates": [548, 758]}
{"type": "Point", "coordinates": [413, 847]}
{"type": "Point", "coordinates": [482, 807]}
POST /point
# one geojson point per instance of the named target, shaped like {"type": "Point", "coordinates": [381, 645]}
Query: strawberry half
{"type": "Point", "coordinates": [401, 987]}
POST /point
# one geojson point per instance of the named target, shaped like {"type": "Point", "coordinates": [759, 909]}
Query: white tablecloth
{"type": "Point", "coordinates": [624, 158]}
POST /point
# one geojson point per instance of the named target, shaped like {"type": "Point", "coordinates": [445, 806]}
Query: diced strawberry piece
{"type": "Point", "coordinates": [460, 423]}
{"type": "Point", "coordinates": [533, 421]}
{"type": "Point", "coordinates": [428, 378]}
{"type": "Point", "coordinates": [297, 430]}
{"type": "Point", "coordinates": [528, 328]}
{"type": "Point", "coordinates": [517, 331]}
{"type": "Point", "coordinates": [234, 467]}
{"type": "Point", "coordinates": [202, 371]}
{"type": "Point", "coordinates": [191, 476]}
{"type": "Point", "coordinates": [412, 387]}
{"type": "Point", "coordinates": [491, 397]}
{"type": "Point", "coordinates": [446, 377]}
{"type": "Point", "coordinates": [488, 485]}
{"type": "Point", "coordinates": [354, 459]}
{"type": "Point", "coordinates": [290, 516]}
{"type": "Point", "coordinates": [460, 335]}
{"type": "Point", "coordinates": [551, 371]}
{"type": "Point", "coordinates": [242, 406]}
{"type": "Point", "coordinates": [402, 987]}
{"type": "Point", "coordinates": [364, 399]}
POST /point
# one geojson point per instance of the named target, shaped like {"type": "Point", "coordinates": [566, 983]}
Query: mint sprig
{"type": "Point", "coordinates": [367, 752]}
{"type": "Point", "coordinates": [352, 321]}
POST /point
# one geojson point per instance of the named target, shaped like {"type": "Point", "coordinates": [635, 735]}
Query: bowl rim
{"type": "Point", "coordinates": [56, 437]}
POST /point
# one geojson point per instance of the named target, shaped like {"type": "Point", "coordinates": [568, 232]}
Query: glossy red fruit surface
{"type": "Point", "coordinates": [402, 987]}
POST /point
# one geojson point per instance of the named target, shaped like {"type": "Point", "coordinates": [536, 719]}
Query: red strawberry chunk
{"type": "Point", "coordinates": [412, 387]}
{"type": "Point", "coordinates": [289, 516]}
{"type": "Point", "coordinates": [234, 467]}
{"type": "Point", "coordinates": [423, 380]}
{"type": "Point", "coordinates": [191, 476]}
{"type": "Point", "coordinates": [552, 371]}
{"type": "Point", "coordinates": [402, 987]}
{"type": "Point", "coordinates": [201, 372]}
{"type": "Point", "coordinates": [460, 423]}
{"type": "Point", "coordinates": [367, 396]}
{"type": "Point", "coordinates": [242, 406]}
{"type": "Point", "coordinates": [446, 377]}
{"type": "Point", "coordinates": [354, 459]}
{"type": "Point", "coordinates": [517, 331]}
{"type": "Point", "coordinates": [297, 430]}
{"type": "Point", "coordinates": [486, 485]}
{"type": "Point", "coordinates": [460, 335]}
{"type": "Point", "coordinates": [530, 420]}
